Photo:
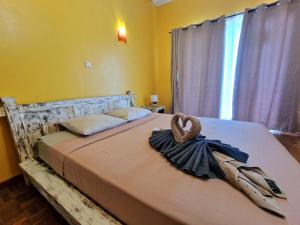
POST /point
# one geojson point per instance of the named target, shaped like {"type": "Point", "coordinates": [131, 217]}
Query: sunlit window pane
{"type": "Point", "coordinates": [233, 28]}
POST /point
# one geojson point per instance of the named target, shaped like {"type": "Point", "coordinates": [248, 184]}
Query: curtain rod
{"type": "Point", "coordinates": [232, 15]}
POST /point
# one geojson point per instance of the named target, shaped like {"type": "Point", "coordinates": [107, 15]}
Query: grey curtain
{"type": "Point", "coordinates": [197, 66]}
{"type": "Point", "coordinates": [174, 70]}
{"type": "Point", "coordinates": [268, 67]}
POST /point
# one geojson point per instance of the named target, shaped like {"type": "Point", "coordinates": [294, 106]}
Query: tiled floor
{"type": "Point", "coordinates": [21, 204]}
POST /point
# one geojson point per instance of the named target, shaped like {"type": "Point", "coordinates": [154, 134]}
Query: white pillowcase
{"type": "Point", "coordinates": [131, 113]}
{"type": "Point", "coordinates": [92, 124]}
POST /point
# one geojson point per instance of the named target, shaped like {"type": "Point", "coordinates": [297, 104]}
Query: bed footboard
{"type": "Point", "coordinates": [68, 201]}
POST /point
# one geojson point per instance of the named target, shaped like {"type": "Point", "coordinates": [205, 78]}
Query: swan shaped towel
{"type": "Point", "coordinates": [180, 135]}
{"type": "Point", "coordinates": [191, 152]}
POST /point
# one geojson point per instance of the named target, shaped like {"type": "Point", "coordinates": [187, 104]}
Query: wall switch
{"type": "Point", "coordinates": [88, 64]}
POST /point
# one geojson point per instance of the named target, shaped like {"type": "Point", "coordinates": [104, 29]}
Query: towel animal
{"type": "Point", "coordinates": [179, 133]}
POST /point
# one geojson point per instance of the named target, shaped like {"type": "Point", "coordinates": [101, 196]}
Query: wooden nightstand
{"type": "Point", "coordinates": [157, 108]}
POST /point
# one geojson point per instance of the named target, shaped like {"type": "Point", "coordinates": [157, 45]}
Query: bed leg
{"type": "Point", "coordinates": [26, 179]}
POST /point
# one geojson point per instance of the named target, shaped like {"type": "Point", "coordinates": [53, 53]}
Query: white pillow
{"type": "Point", "coordinates": [92, 124]}
{"type": "Point", "coordinates": [131, 113]}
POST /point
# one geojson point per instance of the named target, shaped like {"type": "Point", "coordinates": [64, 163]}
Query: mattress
{"type": "Point", "coordinates": [119, 170]}
{"type": "Point", "coordinates": [48, 142]}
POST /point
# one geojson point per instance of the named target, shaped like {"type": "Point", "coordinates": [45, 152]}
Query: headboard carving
{"type": "Point", "coordinates": [28, 122]}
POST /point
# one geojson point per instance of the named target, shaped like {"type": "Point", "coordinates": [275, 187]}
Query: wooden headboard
{"type": "Point", "coordinates": [28, 122]}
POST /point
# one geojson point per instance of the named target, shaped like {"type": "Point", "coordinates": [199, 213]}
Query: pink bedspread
{"type": "Point", "coordinates": [119, 170]}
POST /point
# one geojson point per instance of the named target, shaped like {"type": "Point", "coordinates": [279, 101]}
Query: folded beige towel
{"type": "Point", "coordinates": [252, 181]}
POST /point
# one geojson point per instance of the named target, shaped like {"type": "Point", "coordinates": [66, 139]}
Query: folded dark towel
{"type": "Point", "coordinates": [194, 156]}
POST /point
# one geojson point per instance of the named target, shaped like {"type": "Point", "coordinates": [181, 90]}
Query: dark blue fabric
{"type": "Point", "coordinates": [194, 156]}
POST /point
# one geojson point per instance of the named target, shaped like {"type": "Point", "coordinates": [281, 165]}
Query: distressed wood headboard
{"type": "Point", "coordinates": [28, 122]}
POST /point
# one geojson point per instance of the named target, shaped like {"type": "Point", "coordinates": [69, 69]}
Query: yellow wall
{"type": "Point", "coordinates": [43, 45]}
{"type": "Point", "coordinates": [180, 13]}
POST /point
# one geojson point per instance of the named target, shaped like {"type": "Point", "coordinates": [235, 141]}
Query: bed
{"type": "Point", "coordinates": [115, 177]}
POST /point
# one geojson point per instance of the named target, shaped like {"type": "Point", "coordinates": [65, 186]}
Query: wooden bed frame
{"type": "Point", "coordinates": [28, 122]}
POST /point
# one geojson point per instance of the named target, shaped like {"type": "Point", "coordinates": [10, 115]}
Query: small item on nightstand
{"type": "Point", "coordinates": [156, 108]}
{"type": "Point", "coordinates": [154, 100]}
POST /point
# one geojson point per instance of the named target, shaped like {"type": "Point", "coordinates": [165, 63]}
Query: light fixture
{"type": "Point", "coordinates": [122, 37]}
{"type": "Point", "coordinates": [160, 2]}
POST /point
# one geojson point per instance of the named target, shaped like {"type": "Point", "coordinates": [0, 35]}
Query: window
{"type": "Point", "coordinates": [233, 27]}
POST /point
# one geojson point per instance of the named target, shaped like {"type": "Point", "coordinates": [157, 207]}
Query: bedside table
{"type": "Point", "coordinates": [157, 108]}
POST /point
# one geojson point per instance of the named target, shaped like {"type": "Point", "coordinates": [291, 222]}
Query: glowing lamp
{"type": "Point", "coordinates": [122, 34]}
{"type": "Point", "coordinates": [153, 100]}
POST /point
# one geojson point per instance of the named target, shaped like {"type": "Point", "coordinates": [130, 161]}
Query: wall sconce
{"type": "Point", "coordinates": [122, 37]}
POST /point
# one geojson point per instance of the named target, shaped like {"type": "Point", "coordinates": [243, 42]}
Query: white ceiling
{"type": "Point", "coordinates": [160, 2]}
